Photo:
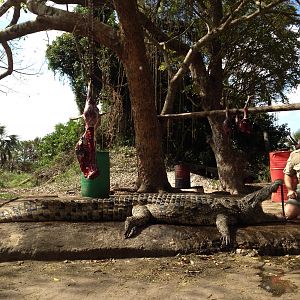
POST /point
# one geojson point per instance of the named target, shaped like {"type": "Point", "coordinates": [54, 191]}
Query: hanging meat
{"type": "Point", "coordinates": [245, 125]}
{"type": "Point", "coordinates": [86, 147]}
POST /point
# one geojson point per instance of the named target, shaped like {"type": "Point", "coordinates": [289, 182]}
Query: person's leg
{"type": "Point", "coordinates": [292, 209]}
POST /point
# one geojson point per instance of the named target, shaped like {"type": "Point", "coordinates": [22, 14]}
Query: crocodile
{"type": "Point", "coordinates": [140, 209]}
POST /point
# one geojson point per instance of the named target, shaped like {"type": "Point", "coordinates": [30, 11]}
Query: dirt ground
{"type": "Point", "coordinates": [234, 276]}
{"type": "Point", "coordinates": [220, 276]}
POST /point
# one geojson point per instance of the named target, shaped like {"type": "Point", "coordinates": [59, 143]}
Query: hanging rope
{"type": "Point", "coordinates": [86, 147]}
{"type": "Point", "coordinates": [91, 44]}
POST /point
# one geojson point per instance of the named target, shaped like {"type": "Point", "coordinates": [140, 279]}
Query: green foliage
{"type": "Point", "coordinates": [262, 59]}
{"type": "Point", "coordinates": [26, 155]}
{"type": "Point", "coordinates": [68, 174]}
{"type": "Point", "coordinates": [296, 135]}
{"type": "Point", "coordinates": [293, 140]}
{"type": "Point", "coordinates": [8, 143]}
{"type": "Point", "coordinates": [70, 56]}
{"type": "Point", "coordinates": [259, 57]}
{"type": "Point", "coordinates": [14, 179]}
{"type": "Point", "coordinates": [80, 60]}
{"type": "Point", "coordinates": [17, 155]}
{"type": "Point", "coordinates": [263, 174]}
{"type": "Point", "coordinates": [257, 151]}
{"type": "Point", "coordinates": [67, 55]}
{"type": "Point", "coordinates": [187, 142]}
{"type": "Point", "coordinates": [7, 196]}
{"type": "Point", "coordinates": [62, 140]}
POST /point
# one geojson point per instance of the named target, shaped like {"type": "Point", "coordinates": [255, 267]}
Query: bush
{"type": "Point", "coordinates": [62, 140]}
{"type": "Point", "coordinates": [15, 179]}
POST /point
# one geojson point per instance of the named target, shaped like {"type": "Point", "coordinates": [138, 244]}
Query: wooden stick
{"type": "Point", "coordinates": [253, 110]}
{"type": "Point", "coordinates": [100, 115]}
{"type": "Point", "coordinates": [75, 118]}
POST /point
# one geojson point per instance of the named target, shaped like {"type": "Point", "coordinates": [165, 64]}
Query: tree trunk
{"type": "Point", "coordinates": [231, 163]}
{"type": "Point", "coordinates": [209, 85]}
{"type": "Point", "coordinates": [152, 172]}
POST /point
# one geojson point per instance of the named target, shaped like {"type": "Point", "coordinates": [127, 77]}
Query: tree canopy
{"type": "Point", "coordinates": [7, 144]}
{"type": "Point", "coordinates": [226, 50]}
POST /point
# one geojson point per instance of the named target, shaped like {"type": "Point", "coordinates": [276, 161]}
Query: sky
{"type": "Point", "coordinates": [31, 105]}
{"type": "Point", "coordinates": [292, 118]}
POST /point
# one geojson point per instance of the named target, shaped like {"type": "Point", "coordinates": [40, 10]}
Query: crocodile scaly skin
{"type": "Point", "coordinates": [139, 209]}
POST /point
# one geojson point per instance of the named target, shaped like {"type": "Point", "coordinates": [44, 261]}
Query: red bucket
{"type": "Point", "coordinates": [182, 177]}
{"type": "Point", "coordinates": [278, 161]}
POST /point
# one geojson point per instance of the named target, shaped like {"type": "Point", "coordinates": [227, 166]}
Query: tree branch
{"type": "Point", "coordinates": [175, 45]}
{"type": "Point", "coordinates": [74, 22]}
{"type": "Point", "coordinates": [10, 63]}
{"type": "Point", "coordinates": [8, 4]}
{"type": "Point", "coordinates": [202, 16]}
{"type": "Point", "coordinates": [161, 37]}
{"type": "Point", "coordinates": [253, 110]}
{"type": "Point", "coordinates": [162, 48]}
{"type": "Point", "coordinates": [263, 10]}
{"type": "Point", "coordinates": [96, 3]}
{"type": "Point", "coordinates": [50, 18]}
{"type": "Point", "coordinates": [234, 10]}
{"type": "Point", "coordinates": [215, 32]}
{"type": "Point", "coordinates": [19, 30]}
{"type": "Point", "coordinates": [16, 15]}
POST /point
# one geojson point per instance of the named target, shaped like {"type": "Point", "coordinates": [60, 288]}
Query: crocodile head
{"type": "Point", "coordinates": [250, 206]}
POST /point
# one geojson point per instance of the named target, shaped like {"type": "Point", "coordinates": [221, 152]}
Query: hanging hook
{"type": "Point", "coordinates": [245, 125]}
{"type": "Point", "coordinates": [227, 123]}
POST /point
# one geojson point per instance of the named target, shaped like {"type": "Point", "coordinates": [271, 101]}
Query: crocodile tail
{"type": "Point", "coordinates": [85, 209]}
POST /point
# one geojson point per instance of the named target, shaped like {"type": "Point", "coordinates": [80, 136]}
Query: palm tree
{"type": "Point", "coordinates": [293, 141]}
{"type": "Point", "coordinates": [2, 131]}
{"type": "Point", "coordinates": [296, 136]}
{"type": "Point", "coordinates": [8, 144]}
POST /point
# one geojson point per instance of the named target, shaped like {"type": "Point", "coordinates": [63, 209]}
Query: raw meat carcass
{"type": "Point", "coordinates": [86, 147]}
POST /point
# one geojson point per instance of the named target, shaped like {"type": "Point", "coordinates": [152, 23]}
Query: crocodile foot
{"type": "Point", "coordinates": [140, 217]}
{"type": "Point", "coordinates": [225, 241]}
{"type": "Point", "coordinates": [130, 229]}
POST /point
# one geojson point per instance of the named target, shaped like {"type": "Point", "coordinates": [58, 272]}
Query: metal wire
{"type": "Point", "coordinates": [282, 200]}
{"type": "Point", "coordinates": [91, 44]}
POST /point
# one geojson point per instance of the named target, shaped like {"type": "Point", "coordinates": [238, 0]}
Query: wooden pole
{"type": "Point", "coordinates": [253, 110]}
{"type": "Point", "coordinates": [77, 118]}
